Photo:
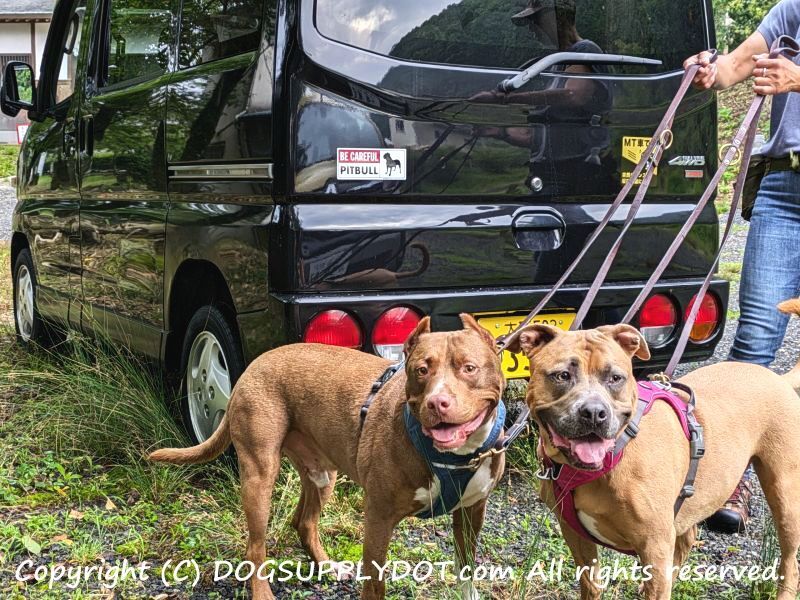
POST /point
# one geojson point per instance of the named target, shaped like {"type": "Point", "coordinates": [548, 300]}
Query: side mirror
{"type": "Point", "coordinates": [18, 91]}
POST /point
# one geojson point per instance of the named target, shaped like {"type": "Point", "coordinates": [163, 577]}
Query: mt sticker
{"type": "Point", "coordinates": [632, 149]}
{"type": "Point", "coordinates": [371, 164]}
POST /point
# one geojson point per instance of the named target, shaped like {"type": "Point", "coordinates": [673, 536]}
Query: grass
{"type": "Point", "coordinates": [732, 271]}
{"type": "Point", "coordinates": [8, 160]}
{"type": "Point", "coordinates": [5, 288]}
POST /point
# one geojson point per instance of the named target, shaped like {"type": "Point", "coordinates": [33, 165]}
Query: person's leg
{"type": "Point", "coordinates": [770, 270]}
{"type": "Point", "coordinates": [770, 274]}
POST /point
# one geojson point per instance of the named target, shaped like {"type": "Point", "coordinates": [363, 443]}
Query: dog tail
{"type": "Point", "coordinates": [792, 307]}
{"type": "Point", "coordinates": [205, 452]}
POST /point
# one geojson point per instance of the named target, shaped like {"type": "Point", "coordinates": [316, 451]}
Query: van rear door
{"type": "Point", "coordinates": [490, 189]}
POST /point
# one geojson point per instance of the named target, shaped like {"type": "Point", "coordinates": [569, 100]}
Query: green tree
{"type": "Point", "coordinates": [737, 19]}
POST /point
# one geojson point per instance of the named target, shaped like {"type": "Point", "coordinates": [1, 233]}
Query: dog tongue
{"type": "Point", "coordinates": [449, 435]}
{"type": "Point", "coordinates": [590, 451]}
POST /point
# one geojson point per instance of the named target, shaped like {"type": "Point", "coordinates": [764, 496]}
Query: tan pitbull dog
{"type": "Point", "coordinates": [304, 401]}
{"type": "Point", "coordinates": [582, 393]}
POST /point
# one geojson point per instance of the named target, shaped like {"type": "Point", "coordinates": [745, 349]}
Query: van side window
{"type": "Point", "coordinates": [217, 29]}
{"type": "Point", "coordinates": [139, 38]}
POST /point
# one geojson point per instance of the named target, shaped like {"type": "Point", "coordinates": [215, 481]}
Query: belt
{"type": "Point", "coordinates": [784, 163]}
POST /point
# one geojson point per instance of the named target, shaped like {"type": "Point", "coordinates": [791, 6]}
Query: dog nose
{"type": "Point", "coordinates": [439, 403]}
{"type": "Point", "coordinates": [594, 412]}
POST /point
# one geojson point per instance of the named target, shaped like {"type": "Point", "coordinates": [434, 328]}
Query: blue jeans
{"type": "Point", "coordinates": [771, 269]}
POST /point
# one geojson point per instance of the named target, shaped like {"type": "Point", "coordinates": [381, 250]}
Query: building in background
{"type": "Point", "coordinates": [23, 32]}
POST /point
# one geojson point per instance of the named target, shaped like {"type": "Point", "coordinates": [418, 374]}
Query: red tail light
{"type": "Point", "coordinates": [658, 320]}
{"type": "Point", "coordinates": [708, 318]}
{"type": "Point", "coordinates": [391, 331]}
{"type": "Point", "coordinates": [334, 327]}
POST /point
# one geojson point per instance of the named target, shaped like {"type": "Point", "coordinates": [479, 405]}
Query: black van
{"type": "Point", "coordinates": [224, 177]}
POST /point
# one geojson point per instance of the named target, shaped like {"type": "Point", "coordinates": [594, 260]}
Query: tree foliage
{"type": "Point", "coordinates": [737, 19]}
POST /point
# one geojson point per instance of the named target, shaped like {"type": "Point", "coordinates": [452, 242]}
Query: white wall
{"type": "Point", "coordinates": [41, 38]}
{"type": "Point", "coordinates": [15, 38]}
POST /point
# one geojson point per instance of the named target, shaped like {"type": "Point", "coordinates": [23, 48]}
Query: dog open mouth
{"type": "Point", "coordinates": [450, 436]}
{"type": "Point", "coordinates": [585, 452]}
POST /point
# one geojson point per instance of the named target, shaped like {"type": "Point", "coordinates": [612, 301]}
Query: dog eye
{"type": "Point", "coordinates": [562, 376]}
{"type": "Point", "coordinates": [470, 368]}
{"type": "Point", "coordinates": [422, 371]}
{"type": "Point", "coordinates": [615, 378]}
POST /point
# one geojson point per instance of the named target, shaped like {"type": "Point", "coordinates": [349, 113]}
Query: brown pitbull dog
{"type": "Point", "coordinates": [582, 393]}
{"type": "Point", "coordinates": [304, 400]}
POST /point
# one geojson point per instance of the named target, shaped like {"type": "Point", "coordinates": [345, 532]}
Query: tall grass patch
{"type": "Point", "coordinates": [8, 160]}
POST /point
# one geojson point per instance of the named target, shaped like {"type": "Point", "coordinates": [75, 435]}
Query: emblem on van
{"type": "Point", "coordinates": [371, 164]}
{"type": "Point", "coordinates": [688, 161]}
{"type": "Point", "coordinates": [632, 149]}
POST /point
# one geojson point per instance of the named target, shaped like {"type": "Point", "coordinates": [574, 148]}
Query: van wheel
{"type": "Point", "coordinates": [211, 362]}
{"type": "Point", "coordinates": [27, 322]}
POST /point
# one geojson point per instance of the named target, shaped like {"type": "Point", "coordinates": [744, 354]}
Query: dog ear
{"type": "Point", "coordinates": [470, 323]}
{"type": "Point", "coordinates": [423, 327]}
{"type": "Point", "coordinates": [533, 338]}
{"type": "Point", "coordinates": [629, 338]}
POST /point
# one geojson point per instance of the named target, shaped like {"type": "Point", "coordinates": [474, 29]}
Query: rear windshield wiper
{"type": "Point", "coordinates": [573, 58]}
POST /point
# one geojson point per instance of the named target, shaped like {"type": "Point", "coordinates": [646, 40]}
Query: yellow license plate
{"type": "Point", "coordinates": [516, 366]}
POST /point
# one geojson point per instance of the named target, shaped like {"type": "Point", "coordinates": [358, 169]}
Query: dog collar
{"type": "Point", "coordinates": [453, 471]}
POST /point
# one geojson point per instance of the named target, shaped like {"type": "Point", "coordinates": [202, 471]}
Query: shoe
{"type": "Point", "coordinates": [734, 515]}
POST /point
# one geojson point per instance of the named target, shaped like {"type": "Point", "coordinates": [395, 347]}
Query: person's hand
{"type": "Point", "coordinates": [775, 75]}
{"type": "Point", "coordinates": [706, 75]}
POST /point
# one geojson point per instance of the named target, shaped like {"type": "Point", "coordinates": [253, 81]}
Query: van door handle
{"type": "Point", "coordinates": [539, 231]}
{"type": "Point", "coordinates": [86, 135]}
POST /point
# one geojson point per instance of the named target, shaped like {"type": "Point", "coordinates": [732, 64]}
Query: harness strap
{"type": "Point", "coordinates": [697, 446]}
{"type": "Point", "coordinates": [377, 386]}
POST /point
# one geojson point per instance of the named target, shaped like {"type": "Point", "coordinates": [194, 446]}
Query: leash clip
{"type": "Point", "coordinates": [475, 463]}
{"type": "Point", "coordinates": [548, 474]}
{"type": "Point", "coordinates": [662, 380]}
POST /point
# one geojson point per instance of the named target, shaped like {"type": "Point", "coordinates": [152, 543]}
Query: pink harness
{"type": "Point", "coordinates": [566, 478]}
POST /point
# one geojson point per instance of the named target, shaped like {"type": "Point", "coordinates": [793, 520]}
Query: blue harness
{"type": "Point", "coordinates": [454, 471]}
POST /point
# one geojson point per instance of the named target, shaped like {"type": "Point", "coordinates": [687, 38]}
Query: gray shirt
{"type": "Point", "coordinates": [783, 19]}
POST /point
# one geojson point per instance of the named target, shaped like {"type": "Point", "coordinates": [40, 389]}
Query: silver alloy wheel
{"type": "Point", "coordinates": [25, 306]}
{"type": "Point", "coordinates": [208, 384]}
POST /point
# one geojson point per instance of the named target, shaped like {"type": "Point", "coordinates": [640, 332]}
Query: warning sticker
{"type": "Point", "coordinates": [632, 149]}
{"type": "Point", "coordinates": [370, 163]}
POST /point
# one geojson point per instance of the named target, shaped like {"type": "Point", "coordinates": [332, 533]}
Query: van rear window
{"type": "Point", "coordinates": [511, 34]}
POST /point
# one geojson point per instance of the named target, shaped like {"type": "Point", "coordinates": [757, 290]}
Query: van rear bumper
{"type": "Point", "coordinates": [265, 329]}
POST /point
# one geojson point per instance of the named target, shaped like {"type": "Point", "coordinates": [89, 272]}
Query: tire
{"type": "Point", "coordinates": [211, 363]}
{"type": "Point", "coordinates": [30, 327]}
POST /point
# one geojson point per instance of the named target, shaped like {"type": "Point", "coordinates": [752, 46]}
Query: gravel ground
{"type": "Point", "coordinates": [514, 507]}
{"type": "Point", "coordinates": [7, 200]}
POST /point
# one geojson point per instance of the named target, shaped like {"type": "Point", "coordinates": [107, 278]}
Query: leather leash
{"type": "Point", "coordinates": [741, 145]}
